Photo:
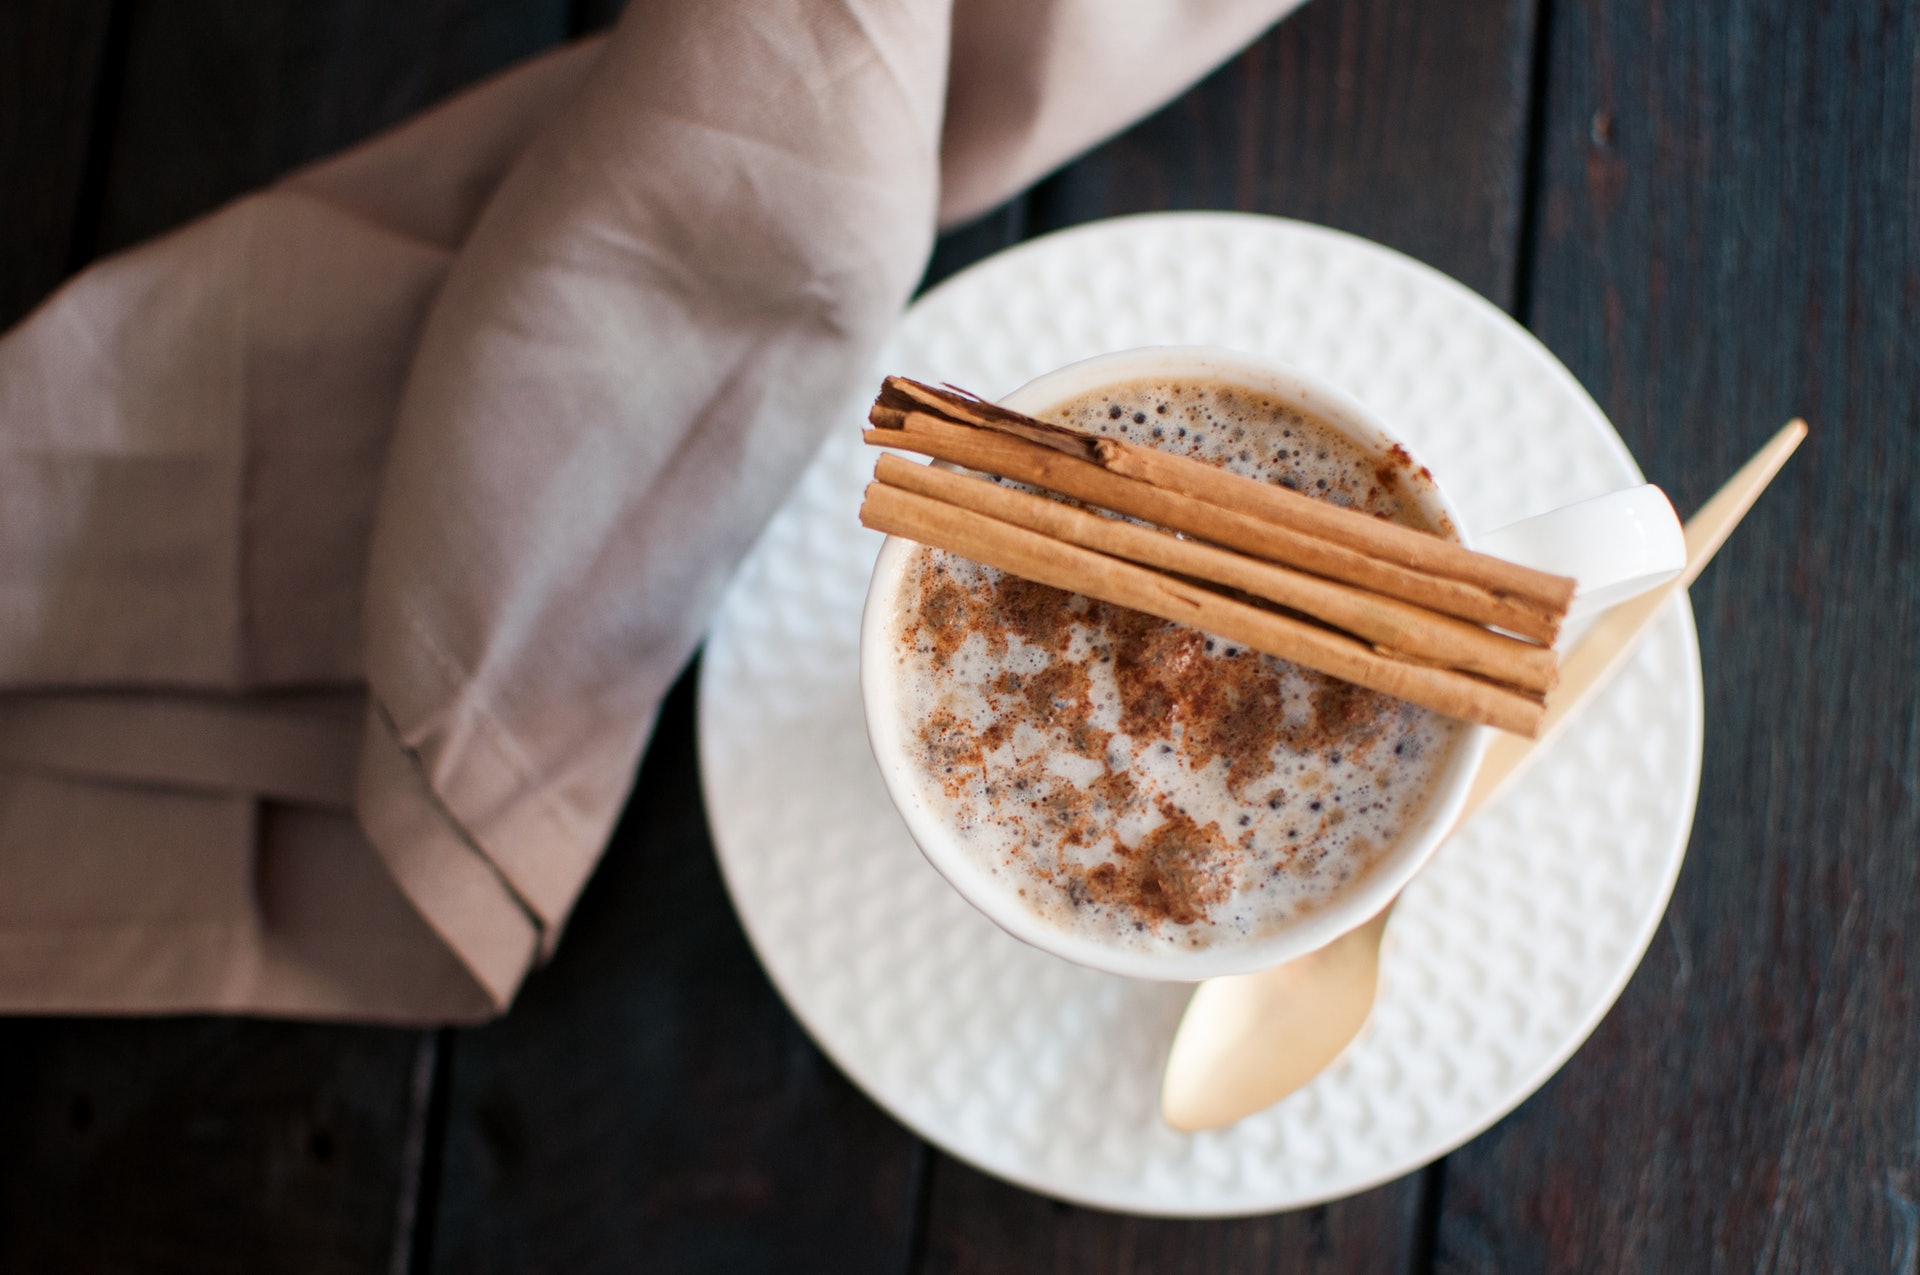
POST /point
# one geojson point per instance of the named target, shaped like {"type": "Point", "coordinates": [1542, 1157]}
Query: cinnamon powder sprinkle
{"type": "Point", "coordinates": [1174, 874]}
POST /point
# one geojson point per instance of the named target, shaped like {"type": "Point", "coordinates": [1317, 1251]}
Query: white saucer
{"type": "Point", "coordinates": [1503, 955]}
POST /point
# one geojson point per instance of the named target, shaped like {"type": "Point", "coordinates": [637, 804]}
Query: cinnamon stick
{"type": "Point", "coordinates": [1391, 542]}
{"type": "Point", "coordinates": [1399, 627]}
{"type": "Point", "coordinates": [1433, 555]}
{"type": "Point", "coordinates": [995, 452]}
{"type": "Point", "coordinates": [1033, 556]}
{"type": "Point", "coordinates": [900, 396]}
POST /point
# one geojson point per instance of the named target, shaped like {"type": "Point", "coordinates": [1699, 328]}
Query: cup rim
{"type": "Point", "coordinates": [989, 894]}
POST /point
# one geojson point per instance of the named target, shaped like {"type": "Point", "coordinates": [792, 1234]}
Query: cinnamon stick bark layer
{"type": "Point", "coordinates": [993, 452]}
{"type": "Point", "coordinates": [1388, 541]}
{"type": "Point", "coordinates": [1399, 627]}
{"type": "Point", "coordinates": [1433, 555]}
{"type": "Point", "coordinates": [1384, 606]}
{"type": "Point", "coordinates": [1041, 558]}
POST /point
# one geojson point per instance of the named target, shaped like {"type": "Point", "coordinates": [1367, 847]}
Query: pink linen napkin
{"type": "Point", "coordinates": [351, 535]}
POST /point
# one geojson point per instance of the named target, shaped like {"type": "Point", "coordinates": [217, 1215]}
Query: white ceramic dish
{"type": "Point", "coordinates": [1505, 951]}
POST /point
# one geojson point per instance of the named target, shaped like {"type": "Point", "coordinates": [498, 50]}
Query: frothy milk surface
{"type": "Point", "coordinates": [1139, 781]}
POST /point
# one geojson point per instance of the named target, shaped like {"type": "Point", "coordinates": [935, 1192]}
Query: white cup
{"type": "Point", "coordinates": [1614, 545]}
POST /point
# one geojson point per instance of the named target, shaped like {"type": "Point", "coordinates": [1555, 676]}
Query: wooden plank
{"type": "Point", "coordinates": [1394, 120]}
{"type": "Point", "coordinates": [196, 1144]}
{"type": "Point", "coordinates": [650, 1104]}
{"type": "Point", "coordinates": [51, 58]}
{"type": "Point", "coordinates": [1403, 123]}
{"type": "Point", "coordinates": [201, 1145]}
{"type": "Point", "coordinates": [1729, 234]}
{"type": "Point", "coordinates": [981, 1226]}
{"type": "Point", "coordinates": [222, 96]}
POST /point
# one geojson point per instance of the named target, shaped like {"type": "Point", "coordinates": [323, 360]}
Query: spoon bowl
{"type": "Point", "coordinates": [1247, 1042]}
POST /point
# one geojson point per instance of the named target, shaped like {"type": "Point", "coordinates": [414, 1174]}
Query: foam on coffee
{"type": "Point", "coordinates": [1139, 781]}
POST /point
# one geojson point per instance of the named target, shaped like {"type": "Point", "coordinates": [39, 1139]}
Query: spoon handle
{"type": "Point", "coordinates": [1616, 635]}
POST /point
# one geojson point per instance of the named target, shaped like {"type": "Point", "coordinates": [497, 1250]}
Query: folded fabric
{"type": "Point", "coordinates": [351, 535]}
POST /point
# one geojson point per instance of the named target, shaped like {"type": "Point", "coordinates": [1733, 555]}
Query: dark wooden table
{"type": "Point", "coordinates": [1710, 209]}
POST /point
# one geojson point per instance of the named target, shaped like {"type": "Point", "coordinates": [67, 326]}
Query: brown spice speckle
{"type": "Point", "coordinates": [1176, 872]}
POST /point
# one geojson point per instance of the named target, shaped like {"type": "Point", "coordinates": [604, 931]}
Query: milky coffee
{"type": "Point", "coordinates": [1137, 781]}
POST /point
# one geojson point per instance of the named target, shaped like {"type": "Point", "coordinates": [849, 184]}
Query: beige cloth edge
{"type": "Point", "coordinates": [453, 885]}
{"type": "Point", "coordinates": [298, 749]}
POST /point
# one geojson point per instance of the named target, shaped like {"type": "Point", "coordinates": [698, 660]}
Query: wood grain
{"type": "Point", "coordinates": [202, 1145]}
{"type": "Point", "coordinates": [650, 1104]}
{"type": "Point", "coordinates": [1729, 235]}
{"type": "Point", "coordinates": [222, 96]}
{"type": "Point", "coordinates": [982, 1226]}
{"type": "Point", "coordinates": [1404, 123]}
